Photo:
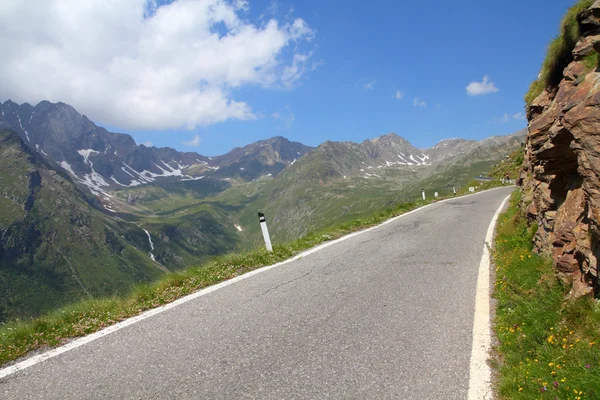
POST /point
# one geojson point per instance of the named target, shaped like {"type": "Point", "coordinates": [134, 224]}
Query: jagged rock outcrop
{"type": "Point", "coordinates": [561, 173]}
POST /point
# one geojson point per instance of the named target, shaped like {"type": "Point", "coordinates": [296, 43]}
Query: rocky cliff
{"type": "Point", "coordinates": [561, 172]}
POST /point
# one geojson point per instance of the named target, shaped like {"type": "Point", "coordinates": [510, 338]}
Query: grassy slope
{"type": "Point", "coordinates": [547, 349]}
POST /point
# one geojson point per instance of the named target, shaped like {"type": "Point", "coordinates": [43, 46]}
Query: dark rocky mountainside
{"type": "Point", "coordinates": [561, 172]}
{"type": "Point", "coordinates": [265, 157]}
{"type": "Point", "coordinates": [55, 247]}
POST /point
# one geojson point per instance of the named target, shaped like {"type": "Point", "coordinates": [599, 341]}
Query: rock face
{"type": "Point", "coordinates": [561, 173]}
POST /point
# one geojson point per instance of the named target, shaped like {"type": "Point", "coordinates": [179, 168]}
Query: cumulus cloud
{"type": "Point", "coordinates": [418, 102]}
{"type": "Point", "coordinates": [398, 95]}
{"type": "Point", "coordinates": [484, 87]}
{"type": "Point", "coordinates": [136, 65]}
{"type": "Point", "coordinates": [507, 118]}
{"type": "Point", "coordinates": [195, 142]}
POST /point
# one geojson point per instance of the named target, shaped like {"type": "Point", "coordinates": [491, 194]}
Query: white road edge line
{"type": "Point", "coordinates": [480, 374]}
{"type": "Point", "coordinates": [36, 359]}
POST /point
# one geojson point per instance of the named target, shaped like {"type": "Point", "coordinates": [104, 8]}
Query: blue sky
{"type": "Point", "coordinates": [358, 56]}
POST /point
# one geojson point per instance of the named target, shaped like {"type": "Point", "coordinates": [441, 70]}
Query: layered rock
{"type": "Point", "coordinates": [561, 173]}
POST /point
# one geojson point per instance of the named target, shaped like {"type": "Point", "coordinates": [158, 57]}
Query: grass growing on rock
{"type": "Point", "coordinates": [559, 53]}
{"type": "Point", "coordinates": [510, 166]}
{"type": "Point", "coordinates": [548, 347]}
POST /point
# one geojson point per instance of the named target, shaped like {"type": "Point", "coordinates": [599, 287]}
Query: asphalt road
{"type": "Point", "coordinates": [385, 314]}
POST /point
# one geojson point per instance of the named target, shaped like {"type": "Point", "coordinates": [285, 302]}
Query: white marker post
{"type": "Point", "coordinates": [423, 193]}
{"type": "Point", "coordinates": [454, 190]}
{"type": "Point", "coordinates": [435, 195]}
{"type": "Point", "coordinates": [265, 231]}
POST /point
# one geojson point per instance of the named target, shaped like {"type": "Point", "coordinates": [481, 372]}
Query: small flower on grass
{"type": "Point", "coordinates": [588, 366]}
{"type": "Point", "coordinates": [555, 384]}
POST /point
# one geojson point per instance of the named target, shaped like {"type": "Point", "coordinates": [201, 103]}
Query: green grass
{"type": "Point", "coordinates": [510, 166]}
{"type": "Point", "coordinates": [591, 62]}
{"type": "Point", "coordinates": [547, 347]}
{"type": "Point", "coordinates": [21, 337]}
{"type": "Point", "coordinates": [559, 53]}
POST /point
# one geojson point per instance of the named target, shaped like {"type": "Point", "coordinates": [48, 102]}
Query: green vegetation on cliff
{"type": "Point", "coordinates": [510, 166]}
{"type": "Point", "coordinates": [559, 53]}
{"type": "Point", "coordinates": [547, 349]}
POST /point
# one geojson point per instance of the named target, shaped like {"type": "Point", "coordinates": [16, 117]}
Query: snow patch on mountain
{"type": "Point", "coordinates": [23, 129]}
{"type": "Point", "coordinates": [67, 167]}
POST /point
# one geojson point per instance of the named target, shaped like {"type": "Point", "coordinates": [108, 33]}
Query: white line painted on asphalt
{"type": "Point", "coordinates": [36, 359]}
{"type": "Point", "coordinates": [480, 374]}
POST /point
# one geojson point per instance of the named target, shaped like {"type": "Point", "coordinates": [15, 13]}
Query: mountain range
{"type": "Point", "coordinates": [87, 212]}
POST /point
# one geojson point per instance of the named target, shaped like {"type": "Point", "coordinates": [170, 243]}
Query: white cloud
{"type": "Point", "coordinates": [148, 143]}
{"type": "Point", "coordinates": [316, 64]}
{"type": "Point", "coordinates": [133, 64]}
{"type": "Point", "coordinates": [292, 73]}
{"type": "Point", "coordinates": [484, 87]}
{"type": "Point", "coordinates": [417, 102]}
{"type": "Point", "coordinates": [507, 118]}
{"type": "Point", "coordinates": [369, 84]}
{"type": "Point", "coordinates": [398, 95]}
{"type": "Point", "coordinates": [285, 118]}
{"type": "Point", "coordinates": [195, 142]}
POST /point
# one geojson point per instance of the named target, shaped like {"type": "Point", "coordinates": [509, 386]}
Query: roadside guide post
{"type": "Point", "coordinates": [265, 231]}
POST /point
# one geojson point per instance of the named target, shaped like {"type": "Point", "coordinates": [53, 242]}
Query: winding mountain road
{"type": "Point", "coordinates": [387, 313]}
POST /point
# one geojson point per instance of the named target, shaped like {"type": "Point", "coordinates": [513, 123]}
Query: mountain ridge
{"type": "Point", "coordinates": [103, 160]}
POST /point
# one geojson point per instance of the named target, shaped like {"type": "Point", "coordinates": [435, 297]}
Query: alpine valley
{"type": "Point", "coordinates": [85, 212]}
